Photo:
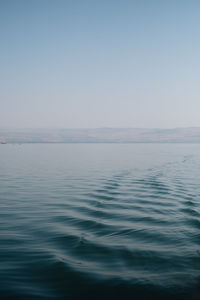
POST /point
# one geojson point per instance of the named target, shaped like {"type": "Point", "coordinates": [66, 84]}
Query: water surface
{"type": "Point", "coordinates": [99, 221]}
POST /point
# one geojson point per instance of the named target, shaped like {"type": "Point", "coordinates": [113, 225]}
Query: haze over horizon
{"type": "Point", "coordinates": [94, 128]}
{"type": "Point", "coordinates": [91, 64]}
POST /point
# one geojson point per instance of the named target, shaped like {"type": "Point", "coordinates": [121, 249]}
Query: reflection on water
{"type": "Point", "coordinates": [99, 221]}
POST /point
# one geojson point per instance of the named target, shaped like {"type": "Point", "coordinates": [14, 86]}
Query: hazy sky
{"type": "Point", "coordinates": [113, 63]}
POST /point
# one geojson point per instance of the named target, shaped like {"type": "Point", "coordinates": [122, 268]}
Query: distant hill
{"type": "Point", "coordinates": [102, 135]}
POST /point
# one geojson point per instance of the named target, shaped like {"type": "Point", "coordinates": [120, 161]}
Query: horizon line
{"type": "Point", "coordinates": [92, 128]}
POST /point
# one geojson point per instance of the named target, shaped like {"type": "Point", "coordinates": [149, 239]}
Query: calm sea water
{"type": "Point", "coordinates": [99, 221]}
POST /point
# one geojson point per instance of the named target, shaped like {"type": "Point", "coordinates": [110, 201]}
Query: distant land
{"type": "Point", "coordinates": [102, 135]}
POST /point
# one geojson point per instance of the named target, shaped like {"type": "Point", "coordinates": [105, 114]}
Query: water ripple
{"type": "Point", "coordinates": [129, 232]}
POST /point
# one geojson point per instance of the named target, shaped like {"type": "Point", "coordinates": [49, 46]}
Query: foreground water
{"type": "Point", "coordinates": [99, 221]}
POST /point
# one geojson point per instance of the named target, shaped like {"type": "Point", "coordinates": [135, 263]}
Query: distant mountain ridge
{"type": "Point", "coordinates": [102, 135]}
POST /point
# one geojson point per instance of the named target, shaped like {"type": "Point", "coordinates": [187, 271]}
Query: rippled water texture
{"type": "Point", "coordinates": [99, 221]}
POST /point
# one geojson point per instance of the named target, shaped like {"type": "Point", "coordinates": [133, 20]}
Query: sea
{"type": "Point", "coordinates": [99, 221]}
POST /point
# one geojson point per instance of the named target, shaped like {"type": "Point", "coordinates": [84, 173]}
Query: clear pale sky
{"type": "Point", "coordinates": [113, 63]}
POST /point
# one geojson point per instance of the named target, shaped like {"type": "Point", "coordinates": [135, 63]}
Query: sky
{"type": "Point", "coordinates": [91, 63]}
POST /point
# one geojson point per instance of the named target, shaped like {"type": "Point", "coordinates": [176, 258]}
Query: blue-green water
{"type": "Point", "coordinates": [99, 221]}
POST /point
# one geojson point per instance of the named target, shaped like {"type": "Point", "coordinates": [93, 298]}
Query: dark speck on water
{"type": "Point", "coordinates": [99, 221]}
